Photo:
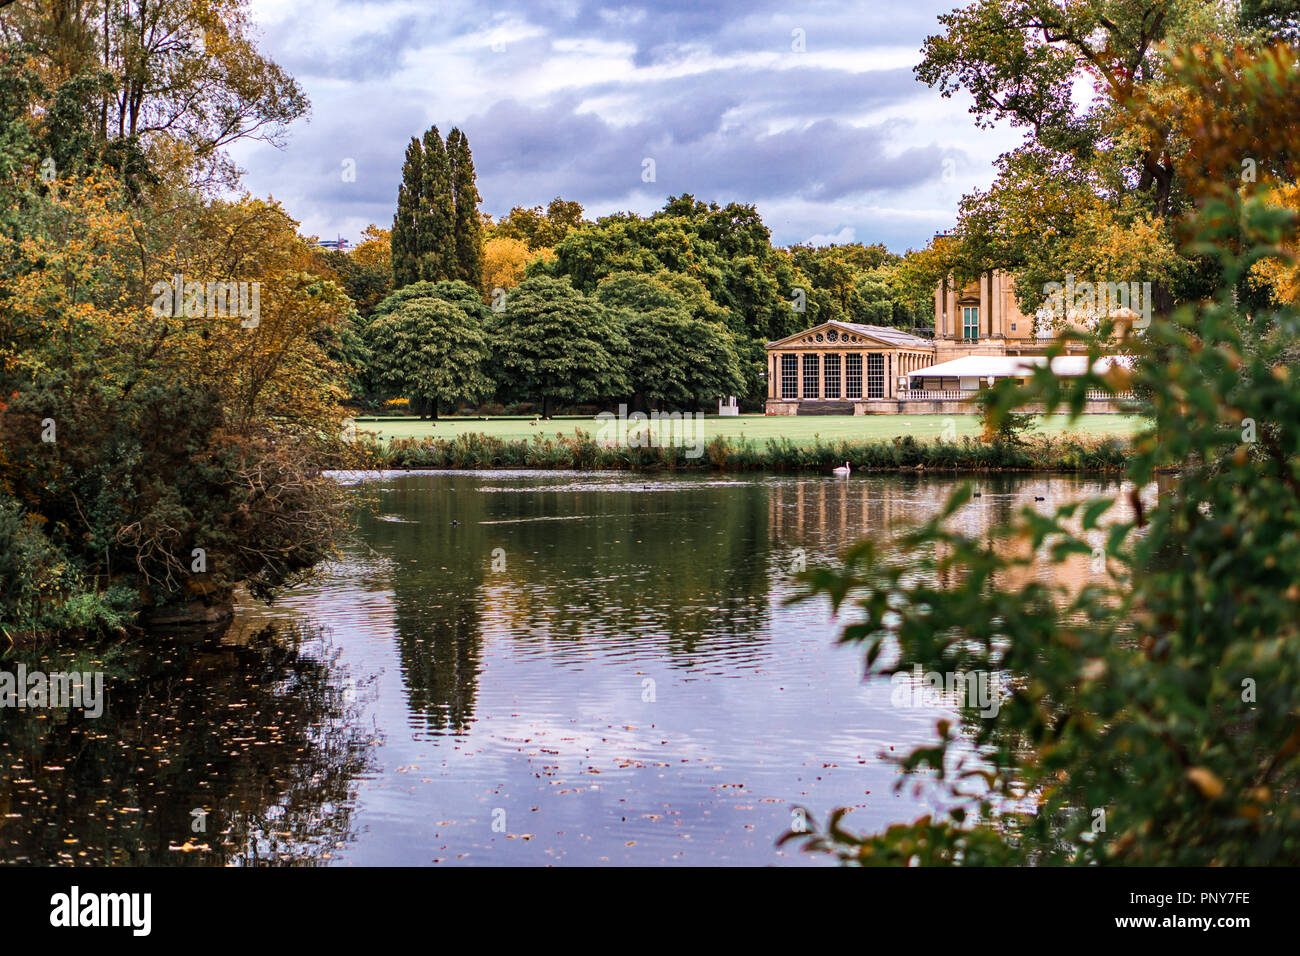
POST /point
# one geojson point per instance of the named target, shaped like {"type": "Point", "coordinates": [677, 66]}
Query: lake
{"type": "Point", "coordinates": [506, 668]}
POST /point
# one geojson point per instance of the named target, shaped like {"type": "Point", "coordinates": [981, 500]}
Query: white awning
{"type": "Point", "coordinates": [1015, 366]}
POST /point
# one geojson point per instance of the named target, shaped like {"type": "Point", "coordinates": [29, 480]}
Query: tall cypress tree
{"type": "Point", "coordinates": [406, 231]}
{"type": "Point", "coordinates": [437, 228]}
{"type": "Point", "coordinates": [469, 225]}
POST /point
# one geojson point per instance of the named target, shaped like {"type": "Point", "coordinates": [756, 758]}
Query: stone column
{"type": "Point", "coordinates": [940, 300]}
{"type": "Point", "coordinates": [999, 311]}
{"type": "Point", "coordinates": [952, 327]}
{"type": "Point", "coordinates": [798, 367]}
{"type": "Point", "coordinates": [986, 313]}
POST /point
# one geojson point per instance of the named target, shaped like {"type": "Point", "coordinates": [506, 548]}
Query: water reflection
{"type": "Point", "coordinates": [254, 731]}
{"type": "Point", "coordinates": [523, 668]}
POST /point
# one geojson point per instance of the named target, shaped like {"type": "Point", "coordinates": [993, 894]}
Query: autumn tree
{"type": "Point", "coordinates": [504, 263]}
{"type": "Point", "coordinates": [162, 88]}
{"type": "Point", "coordinates": [169, 394]}
{"type": "Point", "coordinates": [1088, 192]}
{"type": "Point", "coordinates": [540, 228]}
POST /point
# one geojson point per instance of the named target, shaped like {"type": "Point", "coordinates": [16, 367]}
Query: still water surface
{"type": "Point", "coordinates": [505, 668]}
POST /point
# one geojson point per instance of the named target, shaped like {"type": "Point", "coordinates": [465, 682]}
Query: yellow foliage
{"type": "Point", "coordinates": [504, 262]}
{"type": "Point", "coordinates": [101, 266]}
{"type": "Point", "coordinates": [375, 248]}
{"type": "Point", "coordinates": [1282, 273]}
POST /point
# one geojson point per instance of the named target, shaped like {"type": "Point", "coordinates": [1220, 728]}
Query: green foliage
{"type": "Point", "coordinates": [540, 228]}
{"type": "Point", "coordinates": [1163, 691]}
{"type": "Point", "coordinates": [679, 352]}
{"type": "Point", "coordinates": [406, 221]}
{"type": "Point", "coordinates": [137, 479]}
{"type": "Point", "coordinates": [431, 351]}
{"type": "Point", "coordinates": [727, 250]}
{"type": "Point", "coordinates": [472, 450]}
{"type": "Point", "coordinates": [435, 221]}
{"type": "Point", "coordinates": [437, 231]}
{"type": "Point", "coordinates": [555, 345]}
{"type": "Point", "coordinates": [469, 223]}
{"type": "Point", "coordinates": [366, 283]}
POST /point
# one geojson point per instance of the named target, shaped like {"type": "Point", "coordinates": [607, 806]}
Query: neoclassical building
{"type": "Point", "coordinates": [981, 318]}
{"type": "Point", "coordinates": [979, 335]}
{"type": "Point", "coordinates": [841, 363]}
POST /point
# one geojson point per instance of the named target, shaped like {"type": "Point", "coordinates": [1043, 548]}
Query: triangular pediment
{"type": "Point", "coordinates": [835, 333]}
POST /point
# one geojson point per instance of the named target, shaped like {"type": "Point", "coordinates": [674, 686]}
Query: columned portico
{"type": "Point", "coordinates": [840, 367]}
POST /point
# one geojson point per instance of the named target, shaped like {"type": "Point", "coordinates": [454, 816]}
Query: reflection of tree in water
{"type": "Point", "coordinates": [685, 567]}
{"type": "Point", "coordinates": [440, 660]}
{"type": "Point", "coordinates": [262, 735]}
{"type": "Point", "coordinates": [438, 569]}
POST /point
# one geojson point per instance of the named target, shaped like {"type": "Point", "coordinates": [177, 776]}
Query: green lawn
{"type": "Point", "coordinates": [756, 427]}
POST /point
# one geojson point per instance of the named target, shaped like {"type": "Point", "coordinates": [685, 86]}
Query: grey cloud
{"type": "Point", "coordinates": [776, 137]}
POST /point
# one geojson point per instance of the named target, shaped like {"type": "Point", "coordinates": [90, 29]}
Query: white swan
{"type": "Point", "coordinates": [841, 472]}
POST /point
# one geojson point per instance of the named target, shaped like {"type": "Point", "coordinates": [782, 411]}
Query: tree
{"type": "Point", "coordinates": [366, 271]}
{"type": "Point", "coordinates": [504, 263]}
{"type": "Point", "coordinates": [405, 238]}
{"type": "Point", "coordinates": [540, 228]}
{"type": "Point", "coordinates": [162, 87]}
{"type": "Point", "coordinates": [428, 350]}
{"type": "Point", "coordinates": [438, 230]}
{"type": "Point", "coordinates": [726, 249]}
{"type": "Point", "coordinates": [678, 350]}
{"type": "Point", "coordinates": [555, 345]}
{"type": "Point", "coordinates": [468, 242]}
{"type": "Point", "coordinates": [1158, 698]}
{"type": "Point", "coordinates": [178, 428]}
{"type": "Point", "coordinates": [436, 221]}
{"type": "Point", "coordinates": [1088, 193]}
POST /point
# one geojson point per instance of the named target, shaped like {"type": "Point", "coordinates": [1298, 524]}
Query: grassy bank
{"type": "Point", "coordinates": [805, 429]}
{"type": "Point", "coordinates": [581, 451]}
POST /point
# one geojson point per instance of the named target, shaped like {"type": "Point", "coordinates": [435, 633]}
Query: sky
{"type": "Point", "coordinates": [810, 111]}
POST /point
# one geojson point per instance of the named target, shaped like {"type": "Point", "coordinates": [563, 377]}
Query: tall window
{"type": "Point", "coordinates": [853, 376]}
{"type": "Point", "coordinates": [832, 367]}
{"type": "Point", "coordinates": [789, 376]}
{"type": "Point", "coordinates": [810, 376]}
{"type": "Point", "coordinates": [970, 322]}
{"type": "Point", "coordinates": [875, 375]}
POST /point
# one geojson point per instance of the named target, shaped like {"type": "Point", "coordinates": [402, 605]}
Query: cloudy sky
{"type": "Point", "coordinates": [808, 110]}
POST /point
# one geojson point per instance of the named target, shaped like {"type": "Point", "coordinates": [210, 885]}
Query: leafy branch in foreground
{"type": "Point", "coordinates": [1153, 706]}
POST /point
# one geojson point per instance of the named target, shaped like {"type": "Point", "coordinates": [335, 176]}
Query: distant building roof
{"type": "Point", "coordinates": [887, 333]}
{"type": "Point", "coordinates": [881, 333]}
{"type": "Point", "coordinates": [1015, 366]}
